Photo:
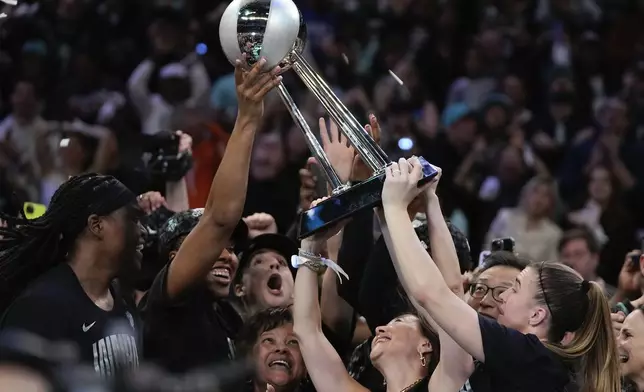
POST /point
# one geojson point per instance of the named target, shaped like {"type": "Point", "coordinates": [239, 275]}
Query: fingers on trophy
{"type": "Point", "coordinates": [275, 30]}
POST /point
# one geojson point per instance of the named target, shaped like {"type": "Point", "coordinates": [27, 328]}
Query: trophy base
{"type": "Point", "coordinates": [338, 207]}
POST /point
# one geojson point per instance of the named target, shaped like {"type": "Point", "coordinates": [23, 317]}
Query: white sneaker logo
{"type": "Point", "coordinates": [87, 327]}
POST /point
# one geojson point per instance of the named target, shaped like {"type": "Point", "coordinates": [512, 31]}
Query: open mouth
{"type": "Point", "coordinates": [623, 357]}
{"type": "Point", "coordinates": [274, 284]}
{"type": "Point", "coordinates": [279, 364]}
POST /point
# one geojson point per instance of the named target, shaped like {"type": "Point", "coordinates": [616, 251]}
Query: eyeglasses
{"type": "Point", "coordinates": [480, 290]}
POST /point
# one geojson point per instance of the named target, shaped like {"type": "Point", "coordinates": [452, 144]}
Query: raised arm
{"type": "Point", "coordinates": [455, 364]}
{"type": "Point", "coordinates": [137, 86]}
{"type": "Point", "coordinates": [323, 363]}
{"type": "Point", "coordinates": [416, 270]}
{"type": "Point", "coordinates": [227, 196]}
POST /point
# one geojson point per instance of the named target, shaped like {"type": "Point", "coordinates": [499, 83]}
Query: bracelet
{"type": "Point", "coordinates": [316, 263]}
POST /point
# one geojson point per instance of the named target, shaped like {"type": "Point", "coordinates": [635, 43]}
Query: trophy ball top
{"type": "Point", "coordinates": [252, 29]}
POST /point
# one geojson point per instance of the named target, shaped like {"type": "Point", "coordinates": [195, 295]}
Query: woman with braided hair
{"type": "Point", "coordinates": [60, 269]}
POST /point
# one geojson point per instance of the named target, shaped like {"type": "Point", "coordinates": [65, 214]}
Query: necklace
{"type": "Point", "coordinates": [412, 385]}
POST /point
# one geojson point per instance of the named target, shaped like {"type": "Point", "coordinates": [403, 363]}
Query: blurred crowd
{"type": "Point", "coordinates": [532, 108]}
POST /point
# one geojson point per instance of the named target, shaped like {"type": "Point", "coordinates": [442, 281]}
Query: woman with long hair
{"type": "Point", "coordinates": [553, 329]}
{"type": "Point", "coordinates": [406, 351]}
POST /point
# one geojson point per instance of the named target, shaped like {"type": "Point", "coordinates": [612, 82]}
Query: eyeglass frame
{"type": "Point", "coordinates": [488, 289]}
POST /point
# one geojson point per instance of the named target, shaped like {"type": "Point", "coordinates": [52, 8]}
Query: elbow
{"type": "Point", "coordinates": [224, 214]}
{"type": "Point", "coordinates": [225, 223]}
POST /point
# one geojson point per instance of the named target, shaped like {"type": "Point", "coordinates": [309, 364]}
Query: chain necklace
{"type": "Point", "coordinates": [408, 388]}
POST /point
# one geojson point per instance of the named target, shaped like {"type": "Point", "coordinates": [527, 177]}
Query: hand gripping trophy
{"type": "Point", "coordinates": [275, 30]}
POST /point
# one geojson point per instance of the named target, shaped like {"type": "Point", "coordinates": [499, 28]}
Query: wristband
{"type": "Point", "coordinates": [316, 263]}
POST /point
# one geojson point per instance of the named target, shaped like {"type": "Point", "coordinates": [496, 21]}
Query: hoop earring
{"type": "Point", "coordinates": [423, 360]}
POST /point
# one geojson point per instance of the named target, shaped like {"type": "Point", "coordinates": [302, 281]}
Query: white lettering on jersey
{"type": "Point", "coordinates": [115, 352]}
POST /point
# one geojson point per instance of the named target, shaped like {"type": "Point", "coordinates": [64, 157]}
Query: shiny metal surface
{"type": "Point", "coordinates": [275, 30]}
{"type": "Point", "coordinates": [371, 153]}
{"type": "Point", "coordinates": [314, 145]}
{"type": "Point", "coordinates": [251, 27]}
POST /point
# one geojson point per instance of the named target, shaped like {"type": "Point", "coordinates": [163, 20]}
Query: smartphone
{"type": "Point", "coordinates": [33, 210]}
{"type": "Point", "coordinates": [503, 244]}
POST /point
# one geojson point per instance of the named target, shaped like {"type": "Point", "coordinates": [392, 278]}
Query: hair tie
{"type": "Point", "coordinates": [585, 286]}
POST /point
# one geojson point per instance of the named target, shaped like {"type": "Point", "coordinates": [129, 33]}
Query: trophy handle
{"type": "Point", "coordinates": [368, 149]}
{"type": "Point", "coordinates": [314, 145]}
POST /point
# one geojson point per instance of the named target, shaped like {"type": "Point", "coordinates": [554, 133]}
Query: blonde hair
{"type": "Point", "coordinates": [579, 306]}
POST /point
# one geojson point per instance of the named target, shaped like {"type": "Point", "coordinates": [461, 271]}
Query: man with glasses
{"type": "Point", "coordinates": [494, 276]}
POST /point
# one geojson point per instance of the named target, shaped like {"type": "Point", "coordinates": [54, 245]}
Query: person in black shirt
{"type": "Point", "coordinates": [204, 246]}
{"type": "Point", "coordinates": [267, 339]}
{"type": "Point", "coordinates": [551, 322]}
{"type": "Point", "coordinates": [68, 258]}
{"type": "Point", "coordinates": [198, 328]}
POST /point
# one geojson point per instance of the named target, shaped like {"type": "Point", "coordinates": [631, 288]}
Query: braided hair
{"type": "Point", "coordinates": [28, 248]}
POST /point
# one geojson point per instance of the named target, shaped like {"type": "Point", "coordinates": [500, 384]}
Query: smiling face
{"type": "Point", "coordinates": [401, 339]}
{"type": "Point", "coordinates": [267, 281]}
{"type": "Point", "coordinates": [630, 345]}
{"type": "Point", "coordinates": [278, 360]}
{"type": "Point", "coordinates": [221, 274]}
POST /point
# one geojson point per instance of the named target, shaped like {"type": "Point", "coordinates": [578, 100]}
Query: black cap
{"type": "Point", "coordinates": [275, 242]}
{"type": "Point", "coordinates": [182, 223]}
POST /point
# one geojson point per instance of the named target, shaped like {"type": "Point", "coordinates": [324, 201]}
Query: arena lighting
{"type": "Point", "coordinates": [405, 143]}
{"type": "Point", "coordinates": [201, 49]}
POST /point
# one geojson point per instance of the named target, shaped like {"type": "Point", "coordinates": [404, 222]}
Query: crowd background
{"type": "Point", "coordinates": [533, 109]}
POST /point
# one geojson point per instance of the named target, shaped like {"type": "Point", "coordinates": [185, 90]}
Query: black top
{"type": "Point", "coordinates": [193, 331]}
{"type": "Point", "coordinates": [57, 308]}
{"type": "Point", "coordinates": [517, 362]}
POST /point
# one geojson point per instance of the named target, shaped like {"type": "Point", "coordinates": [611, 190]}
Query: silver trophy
{"type": "Point", "coordinates": [275, 30]}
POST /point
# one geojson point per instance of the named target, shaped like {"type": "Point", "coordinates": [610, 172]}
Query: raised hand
{"type": "Point", "coordinates": [151, 201]}
{"type": "Point", "coordinates": [252, 87]}
{"type": "Point", "coordinates": [430, 191]}
{"type": "Point", "coordinates": [337, 149]}
{"type": "Point", "coordinates": [185, 143]}
{"type": "Point", "coordinates": [260, 223]}
{"type": "Point", "coordinates": [401, 183]}
{"type": "Point", "coordinates": [307, 185]}
{"type": "Point", "coordinates": [322, 236]}
{"type": "Point", "coordinates": [360, 170]}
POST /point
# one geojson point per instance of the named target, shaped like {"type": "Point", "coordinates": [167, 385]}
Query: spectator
{"type": "Point", "coordinates": [579, 249]}
{"type": "Point", "coordinates": [530, 224]}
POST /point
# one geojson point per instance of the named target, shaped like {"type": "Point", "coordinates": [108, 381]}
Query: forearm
{"type": "Point", "coordinates": [442, 246]}
{"type": "Point", "coordinates": [427, 289]}
{"type": "Point", "coordinates": [414, 266]}
{"type": "Point", "coordinates": [324, 365]}
{"type": "Point", "coordinates": [176, 195]}
{"type": "Point", "coordinates": [227, 195]}
{"type": "Point", "coordinates": [306, 309]}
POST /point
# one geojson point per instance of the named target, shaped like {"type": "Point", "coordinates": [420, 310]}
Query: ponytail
{"type": "Point", "coordinates": [593, 347]}
{"type": "Point", "coordinates": [579, 307]}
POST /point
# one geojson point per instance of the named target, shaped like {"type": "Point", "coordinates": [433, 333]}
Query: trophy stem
{"type": "Point", "coordinates": [368, 149]}
{"type": "Point", "coordinates": [314, 145]}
